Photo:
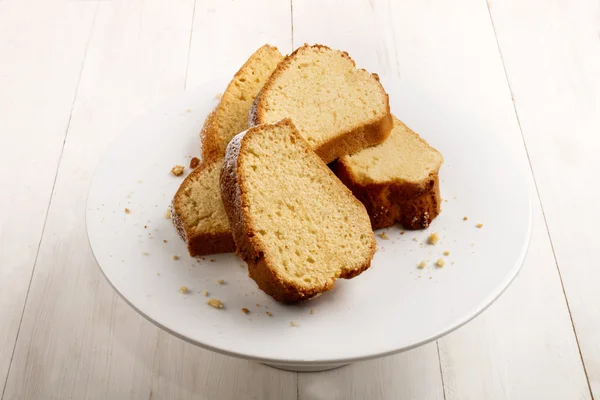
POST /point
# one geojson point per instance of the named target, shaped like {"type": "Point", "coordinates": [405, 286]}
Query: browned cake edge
{"type": "Point", "coordinates": [412, 205]}
{"type": "Point", "coordinates": [259, 267]}
{"type": "Point", "coordinates": [208, 135]}
{"type": "Point", "coordinates": [370, 134]}
{"type": "Point", "coordinates": [208, 140]}
{"type": "Point", "coordinates": [357, 139]}
{"type": "Point", "coordinates": [202, 244]}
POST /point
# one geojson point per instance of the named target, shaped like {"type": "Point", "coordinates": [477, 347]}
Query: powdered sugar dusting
{"type": "Point", "coordinates": [252, 116]}
{"type": "Point", "coordinates": [232, 152]}
{"type": "Point", "coordinates": [177, 222]}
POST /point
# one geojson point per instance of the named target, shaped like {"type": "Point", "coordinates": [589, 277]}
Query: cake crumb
{"type": "Point", "coordinates": [402, 233]}
{"type": "Point", "coordinates": [465, 218]}
{"type": "Point", "coordinates": [145, 226]}
{"type": "Point", "coordinates": [177, 170]}
{"type": "Point", "coordinates": [294, 324]}
{"type": "Point", "coordinates": [440, 263]}
{"type": "Point", "coordinates": [206, 293]}
{"type": "Point", "coordinates": [313, 311]}
{"type": "Point", "coordinates": [446, 253]}
{"type": "Point", "coordinates": [146, 253]}
{"type": "Point", "coordinates": [421, 265]}
{"type": "Point", "coordinates": [183, 290]}
{"type": "Point", "coordinates": [220, 281]}
{"type": "Point", "coordinates": [268, 313]}
{"type": "Point", "coordinates": [194, 162]}
{"type": "Point", "coordinates": [383, 236]}
{"type": "Point", "coordinates": [158, 274]}
{"type": "Point", "coordinates": [414, 239]}
{"type": "Point", "coordinates": [212, 260]}
{"type": "Point", "coordinates": [218, 96]}
{"type": "Point", "coordinates": [168, 214]}
{"type": "Point", "coordinates": [164, 240]}
{"type": "Point", "coordinates": [433, 238]}
{"type": "Point", "coordinates": [175, 258]}
{"type": "Point", "coordinates": [245, 310]}
{"type": "Point", "coordinates": [188, 110]}
{"type": "Point", "coordinates": [215, 303]}
{"type": "Point", "coordinates": [127, 211]}
{"type": "Point", "coordinates": [479, 226]}
{"type": "Point", "coordinates": [257, 305]}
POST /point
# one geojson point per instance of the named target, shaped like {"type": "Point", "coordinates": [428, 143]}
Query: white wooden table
{"type": "Point", "coordinates": [74, 72]}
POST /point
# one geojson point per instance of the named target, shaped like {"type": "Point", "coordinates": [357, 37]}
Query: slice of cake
{"type": "Point", "coordinates": [230, 117]}
{"type": "Point", "coordinates": [197, 208]}
{"type": "Point", "coordinates": [337, 108]}
{"type": "Point", "coordinates": [198, 214]}
{"type": "Point", "coordinates": [397, 180]}
{"type": "Point", "coordinates": [295, 224]}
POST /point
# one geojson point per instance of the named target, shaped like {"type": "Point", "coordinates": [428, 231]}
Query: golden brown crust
{"type": "Point", "coordinates": [355, 140]}
{"type": "Point", "coordinates": [210, 243]}
{"type": "Point", "coordinates": [412, 205]}
{"type": "Point", "coordinates": [204, 243]}
{"type": "Point", "coordinates": [372, 133]}
{"type": "Point", "coordinates": [209, 142]}
{"type": "Point", "coordinates": [249, 248]}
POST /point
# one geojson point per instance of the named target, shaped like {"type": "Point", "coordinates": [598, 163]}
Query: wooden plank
{"type": "Point", "coordinates": [448, 51]}
{"type": "Point", "coordinates": [364, 30]}
{"type": "Point", "coordinates": [42, 53]}
{"type": "Point", "coordinates": [550, 51]}
{"type": "Point", "coordinates": [78, 339]}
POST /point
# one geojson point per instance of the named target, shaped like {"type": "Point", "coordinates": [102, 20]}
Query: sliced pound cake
{"type": "Point", "coordinates": [230, 117]}
{"type": "Point", "coordinates": [197, 209]}
{"type": "Point", "coordinates": [198, 214]}
{"type": "Point", "coordinates": [295, 224]}
{"type": "Point", "coordinates": [337, 108]}
{"type": "Point", "coordinates": [397, 180]}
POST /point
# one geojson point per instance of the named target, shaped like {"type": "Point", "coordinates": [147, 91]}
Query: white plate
{"type": "Point", "coordinates": [391, 307]}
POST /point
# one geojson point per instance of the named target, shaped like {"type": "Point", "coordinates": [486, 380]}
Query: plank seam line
{"type": "Point", "coordinates": [187, 64]}
{"type": "Point", "coordinates": [87, 44]}
{"type": "Point", "coordinates": [292, 21]}
{"type": "Point", "coordinates": [392, 25]}
{"type": "Point", "coordinates": [437, 344]}
{"type": "Point", "coordinates": [541, 204]}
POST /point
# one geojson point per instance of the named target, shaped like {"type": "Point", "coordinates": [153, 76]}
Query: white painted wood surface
{"type": "Point", "coordinates": [83, 69]}
{"type": "Point", "coordinates": [41, 55]}
{"type": "Point", "coordinates": [551, 55]}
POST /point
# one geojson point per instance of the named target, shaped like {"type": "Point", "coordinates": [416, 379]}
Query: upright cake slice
{"type": "Point", "coordinates": [197, 209]}
{"type": "Point", "coordinates": [397, 180]}
{"type": "Point", "coordinates": [230, 117]}
{"type": "Point", "coordinates": [295, 224]}
{"type": "Point", "coordinates": [337, 108]}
